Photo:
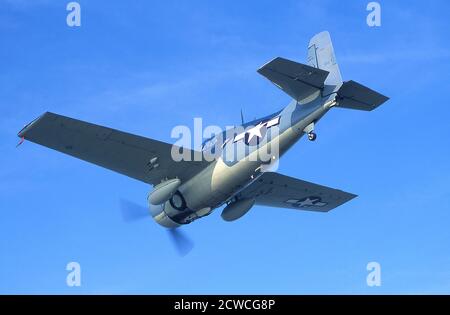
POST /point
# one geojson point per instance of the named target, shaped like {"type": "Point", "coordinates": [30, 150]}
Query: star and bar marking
{"type": "Point", "coordinates": [311, 201]}
{"type": "Point", "coordinates": [256, 130]}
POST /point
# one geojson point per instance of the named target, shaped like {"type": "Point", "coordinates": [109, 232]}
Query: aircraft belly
{"type": "Point", "coordinates": [231, 179]}
{"type": "Point", "coordinates": [199, 192]}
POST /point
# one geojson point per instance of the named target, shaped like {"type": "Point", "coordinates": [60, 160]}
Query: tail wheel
{"type": "Point", "coordinates": [312, 136]}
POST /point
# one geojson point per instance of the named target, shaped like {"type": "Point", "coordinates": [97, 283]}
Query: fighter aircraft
{"type": "Point", "coordinates": [188, 188]}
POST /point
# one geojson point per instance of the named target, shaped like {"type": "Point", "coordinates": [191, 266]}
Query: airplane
{"type": "Point", "coordinates": [185, 190]}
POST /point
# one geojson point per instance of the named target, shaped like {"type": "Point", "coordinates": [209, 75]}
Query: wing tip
{"type": "Point", "coordinates": [350, 196]}
{"type": "Point", "coordinates": [347, 197]}
{"type": "Point", "coordinates": [22, 133]}
{"type": "Point", "coordinates": [264, 66]}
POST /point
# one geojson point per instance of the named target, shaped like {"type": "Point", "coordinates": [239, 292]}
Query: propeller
{"type": "Point", "coordinates": [132, 212]}
{"type": "Point", "coordinates": [182, 243]}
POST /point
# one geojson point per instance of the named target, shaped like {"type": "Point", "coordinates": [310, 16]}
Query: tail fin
{"type": "Point", "coordinates": [320, 77]}
{"type": "Point", "coordinates": [351, 94]}
{"type": "Point", "coordinates": [321, 55]}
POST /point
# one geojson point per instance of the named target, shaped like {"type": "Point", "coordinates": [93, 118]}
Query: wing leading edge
{"type": "Point", "coordinates": [281, 191]}
{"type": "Point", "coordinates": [138, 157]}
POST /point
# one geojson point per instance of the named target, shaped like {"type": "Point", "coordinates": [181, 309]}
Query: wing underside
{"type": "Point", "coordinates": [281, 191]}
{"type": "Point", "coordinates": [138, 157]}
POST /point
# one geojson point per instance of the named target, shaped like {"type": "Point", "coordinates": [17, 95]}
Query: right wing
{"type": "Point", "coordinates": [296, 79]}
{"type": "Point", "coordinates": [119, 151]}
{"type": "Point", "coordinates": [281, 191]}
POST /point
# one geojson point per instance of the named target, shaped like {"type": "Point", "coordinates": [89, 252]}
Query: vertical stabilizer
{"type": "Point", "coordinates": [321, 55]}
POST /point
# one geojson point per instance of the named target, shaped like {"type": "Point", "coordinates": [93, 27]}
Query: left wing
{"type": "Point", "coordinates": [281, 191]}
{"type": "Point", "coordinates": [140, 158]}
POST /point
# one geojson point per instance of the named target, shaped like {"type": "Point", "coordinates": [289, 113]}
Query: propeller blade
{"type": "Point", "coordinates": [181, 242]}
{"type": "Point", "coordinates": [132, 212]}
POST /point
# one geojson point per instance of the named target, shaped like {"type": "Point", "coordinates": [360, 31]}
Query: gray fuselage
{"type": "Point", "coordinates": [240, 163]}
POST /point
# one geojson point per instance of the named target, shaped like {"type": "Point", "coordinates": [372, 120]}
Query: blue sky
{"type": "Point", "coordinates": [146, 67]}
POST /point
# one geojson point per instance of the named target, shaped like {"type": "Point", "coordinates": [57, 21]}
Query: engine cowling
{"type": "Point", "coordinates": [164, 214]}
{"type": "Point", "coordinates": [162, 192]}
{"type": "Point", "coordinates": [174, 212]}
{"type": "Point", "coordinates": [161, 217]}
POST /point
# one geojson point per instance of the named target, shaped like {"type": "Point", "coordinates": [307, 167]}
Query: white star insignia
{"type": "Point", "coordinates": [255, 132]}
{"type": "Point", "coordinates": [307, 202]}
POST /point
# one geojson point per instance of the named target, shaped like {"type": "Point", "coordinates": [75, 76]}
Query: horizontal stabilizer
{"type": "Point", "coordinates": [296, 79]}
{"type": "Point", "coordinates": [357, 96]}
